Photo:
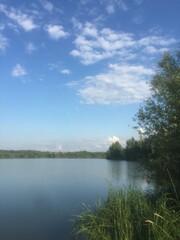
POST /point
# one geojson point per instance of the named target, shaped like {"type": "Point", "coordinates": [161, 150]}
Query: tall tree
{"type": "Point", "coordinates": [132, 150]}
{"type": "Point", "coordinates": [115, 151]}
{"type": "Point", "coordinates": [159, 116]}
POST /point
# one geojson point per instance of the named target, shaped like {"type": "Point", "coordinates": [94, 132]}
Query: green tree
{"type": "Point", "coordinates": [115, 151]}
{"type": "Point", "coordinates": [159, 116]}
{"type": "Point", "coordinates": [132, 150]}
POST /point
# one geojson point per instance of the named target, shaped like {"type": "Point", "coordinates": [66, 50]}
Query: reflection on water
{"type": "Point", "coordinates": [118, 170]}
{"type": "Point", "coordinates": [39, 197]}
{"type": "Point", "coordinates": [124, 173]}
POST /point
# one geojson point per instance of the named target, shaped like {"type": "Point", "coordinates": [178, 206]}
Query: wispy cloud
{"type": "Point", "coordinates": [30, 47]}
{"type": "Point", "coordinates": [138, 19]}
{"type": "Point", "coordinates": [56, 31]}
{"type": "Point", "coordinates": [23, 19]}
{"type": "Point", "coordinates": [66, 71]}
{"type": "Point", "coordinates": [53, 66]}
{"type": "Point", "coordinates": [48, 6]}
{"type": "Point", "coordinates": [161, 41]}
{"type": "Point", "coordinates": [122, 5]}
{"type": "Point", "coordinates": [58, 66]}
{"type": "Point", "coordinates": [138, 2]}
{"type": "Point", "coordinates": [93, 44]}
{"type": "Point", "coordinates": [110, 8]}
{"type": "Point", "coordinates": [113, 5]}
{"type": "Point", "coordinates": [18, 71]}
{"type": "Point", "coordinates": [3, 43]}
{"type": "Point", "coordinates": [120, 84]}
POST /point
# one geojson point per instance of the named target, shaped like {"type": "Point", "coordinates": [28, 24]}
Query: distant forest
{"type": "Point", "coordinates": [5, 154]}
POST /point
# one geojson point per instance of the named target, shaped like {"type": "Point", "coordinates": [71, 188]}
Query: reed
{"type": "Point", "coordinates": [165, 222]}
{"type": "Point", "coordinates": [129, 215]}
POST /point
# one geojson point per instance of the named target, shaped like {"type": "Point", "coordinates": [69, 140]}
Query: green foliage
{"type": "Point", "coordinates": [115, 151]}
{"type": "Point", "coordinates": [39, 154]}
{"type": "Point", "coordinates": [23, 154]}
{"type": "Point", "coordinates": [159, 116]}
{"type": "Point", "coordinates": [129, 215]}
{"type": "Point", "coordinates": [132, 150]}
{"type": "Point", "coordinates": [83, 154]}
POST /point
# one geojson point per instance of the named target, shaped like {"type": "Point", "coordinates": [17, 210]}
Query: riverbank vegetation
{"type": "Point", "coordinates": [130, 215]}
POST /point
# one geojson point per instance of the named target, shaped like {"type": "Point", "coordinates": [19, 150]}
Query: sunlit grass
{"type": "Point", "coordinates": [129, 215]}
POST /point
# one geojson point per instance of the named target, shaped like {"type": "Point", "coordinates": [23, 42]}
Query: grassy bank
{"type": "Point", "coordinates": [129, 215]}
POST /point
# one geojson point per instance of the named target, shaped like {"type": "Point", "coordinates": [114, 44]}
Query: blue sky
{"type": "Point", "coordinates": [74, 72]}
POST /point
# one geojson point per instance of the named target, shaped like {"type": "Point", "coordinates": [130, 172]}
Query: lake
{"type": "Point", "coordinates": [39, 197]}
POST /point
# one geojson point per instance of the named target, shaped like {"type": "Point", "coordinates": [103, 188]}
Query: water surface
{"type": "Point", "coordinates": [39, 197]}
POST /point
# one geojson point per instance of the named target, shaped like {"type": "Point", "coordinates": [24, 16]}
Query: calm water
{"type": "Point", "coordinates": [39, 197]}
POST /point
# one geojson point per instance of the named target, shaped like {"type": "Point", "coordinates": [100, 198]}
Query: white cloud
{"type": "Point", "coordinates": [89, 30]}
{"type": "Point", "coordinates": [123, 82]}
{"type": "Point", "coordinates": [56, 31]}
{"type": "Point", "coordinates": [93, 44]}
{"type": "Point", "coordinates": [48, 6]}
{"type": "Point", "coordinates": [30, 47]}
{"type": "Point", "coordinates": [3, 43]}
{"type": "Point", "coordinates": [156, 41]}
{"type": "Point", "coordinates": [120, 84]}
{"type": "Point", "coordinates": [137, 70]}
{"type": "Point", "coordinates": [66, 71]}
{"type": "Point", "coordinates": [108, 142]}
{"type": "Point", "coordinates": [22, 19]}
{"type": "Point", "coordinates": [113, 139]}
{"type": "Point", "coordinates": [113, 5]}
{"type": "Point", "coordinates": [18, 71]}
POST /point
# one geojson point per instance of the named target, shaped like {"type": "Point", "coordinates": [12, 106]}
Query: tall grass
{"type": "Point", "coordinates": [129, 215]}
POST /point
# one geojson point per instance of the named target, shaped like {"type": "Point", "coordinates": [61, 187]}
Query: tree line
{"type": "Point", "coordinates": [5, 154]}
{"type": "Point", "coordinates": [135, 150]}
